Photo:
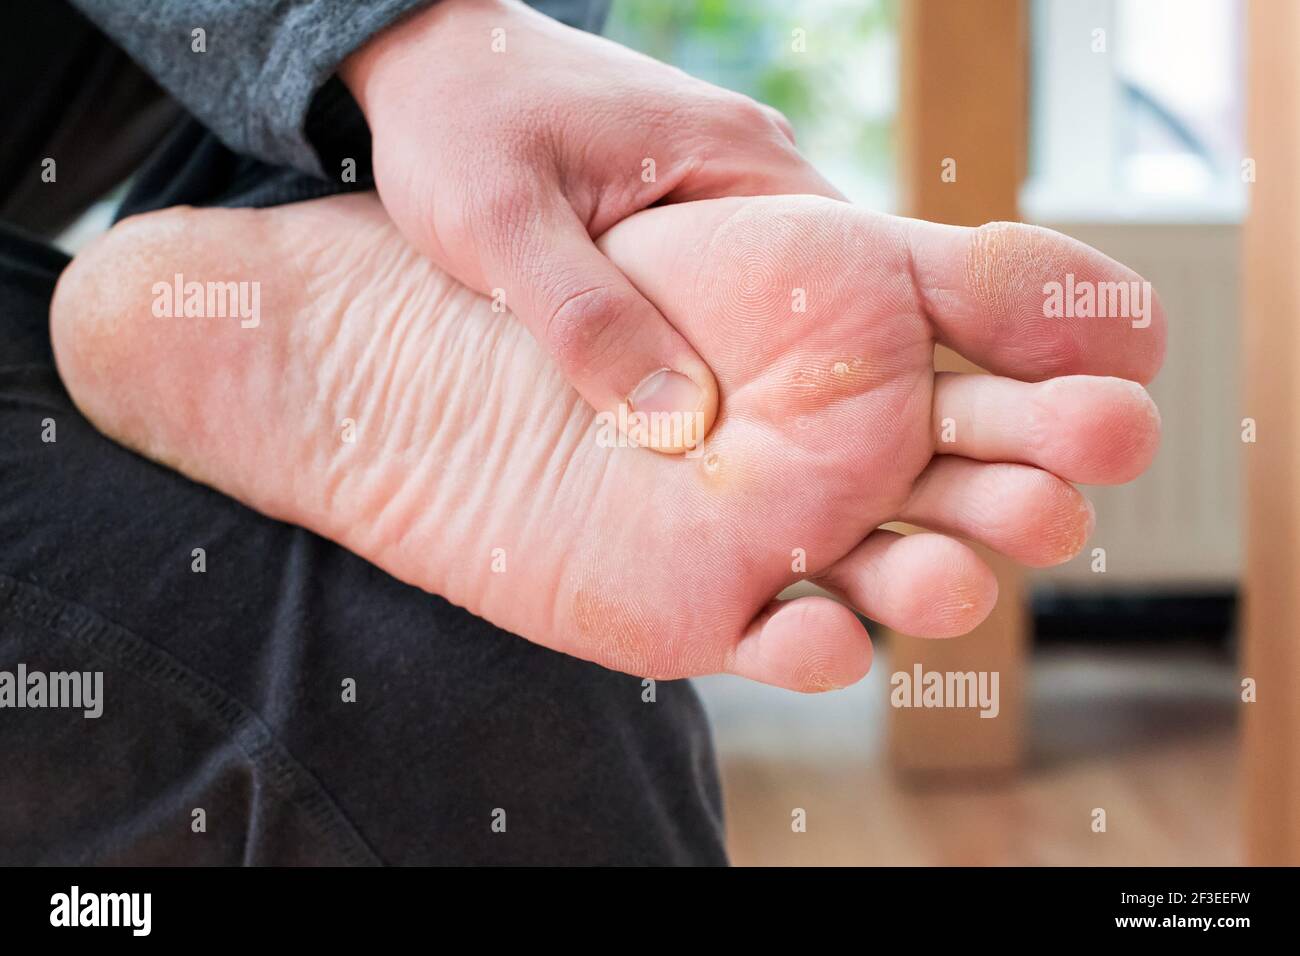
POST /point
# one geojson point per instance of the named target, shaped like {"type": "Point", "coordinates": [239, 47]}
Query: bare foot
{"type": "Point", "coordinates": [384, 406]}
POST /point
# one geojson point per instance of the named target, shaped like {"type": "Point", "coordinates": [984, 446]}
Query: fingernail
{"type": "Point", "coordinates": [666, 391]}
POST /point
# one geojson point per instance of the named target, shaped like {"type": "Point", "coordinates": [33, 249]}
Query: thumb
{"type": "Point", "coordinates": [610, 342]}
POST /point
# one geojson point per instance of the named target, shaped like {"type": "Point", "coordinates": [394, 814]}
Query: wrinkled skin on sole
{"type": "Point", "coordinates": [382, 405]}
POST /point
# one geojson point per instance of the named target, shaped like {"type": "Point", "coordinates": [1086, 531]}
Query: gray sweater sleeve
{"type": "Point", "coordinates": [265, 60]}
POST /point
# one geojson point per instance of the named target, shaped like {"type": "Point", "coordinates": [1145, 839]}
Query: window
{"type": "Point", "coordinates": [1137, 110]}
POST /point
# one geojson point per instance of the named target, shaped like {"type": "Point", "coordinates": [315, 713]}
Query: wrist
{"type": "Point", "coordinates": [405, 51]}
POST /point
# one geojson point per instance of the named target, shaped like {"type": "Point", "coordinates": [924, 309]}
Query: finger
{"type": "Point", "coordinates": [610, 342]}
{"type": "Point", "coordinates": [1025, 513]}
{"type": "Point", "coordinates": [748, 150]}
{"type": "Point", "coordinates": [743, 170]}
{"type": "Point", "coordinates": [925, 585]}
{"type": "Point", "coordinates": [1100, 431]}
{"type": "Point", "coordinates": [809, 644]}
{"type": "Point", "coordinates": [780, 121]}
{"type": "Point", "coordinates": [1032, 304]}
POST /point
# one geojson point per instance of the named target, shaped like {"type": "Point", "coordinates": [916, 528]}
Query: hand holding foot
{"type": "Point", "coordinates": [504, 141]}
{"type": "Point", "coordinates": [475, 472]}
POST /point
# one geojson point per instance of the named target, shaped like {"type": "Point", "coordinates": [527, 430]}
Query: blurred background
{"type": "Point", "coordinates": [1121, 122]}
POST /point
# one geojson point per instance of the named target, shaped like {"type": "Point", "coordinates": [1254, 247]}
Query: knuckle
{"type": "Point", "coordinates": [584, 324]}
{"type": "Point", "coordinates": [750, 111]}
{"type": "Point", "coordinates": [778, 119]}
{"type": "Point", "coordinates": [758, 117]}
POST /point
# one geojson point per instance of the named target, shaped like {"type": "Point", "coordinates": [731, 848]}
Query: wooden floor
{"type": "Point", "coordinates": [1150, 738]}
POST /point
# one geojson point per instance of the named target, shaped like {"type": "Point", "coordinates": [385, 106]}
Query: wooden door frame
{"type": "Point", "coordinates": [964, 109]}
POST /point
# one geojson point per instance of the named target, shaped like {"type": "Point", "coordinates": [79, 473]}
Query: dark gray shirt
{"type": "Point", "coordinates": [265, 62]}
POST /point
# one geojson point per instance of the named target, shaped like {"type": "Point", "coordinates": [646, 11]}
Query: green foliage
{"type": "Point", "coordinates": [746, 45]}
